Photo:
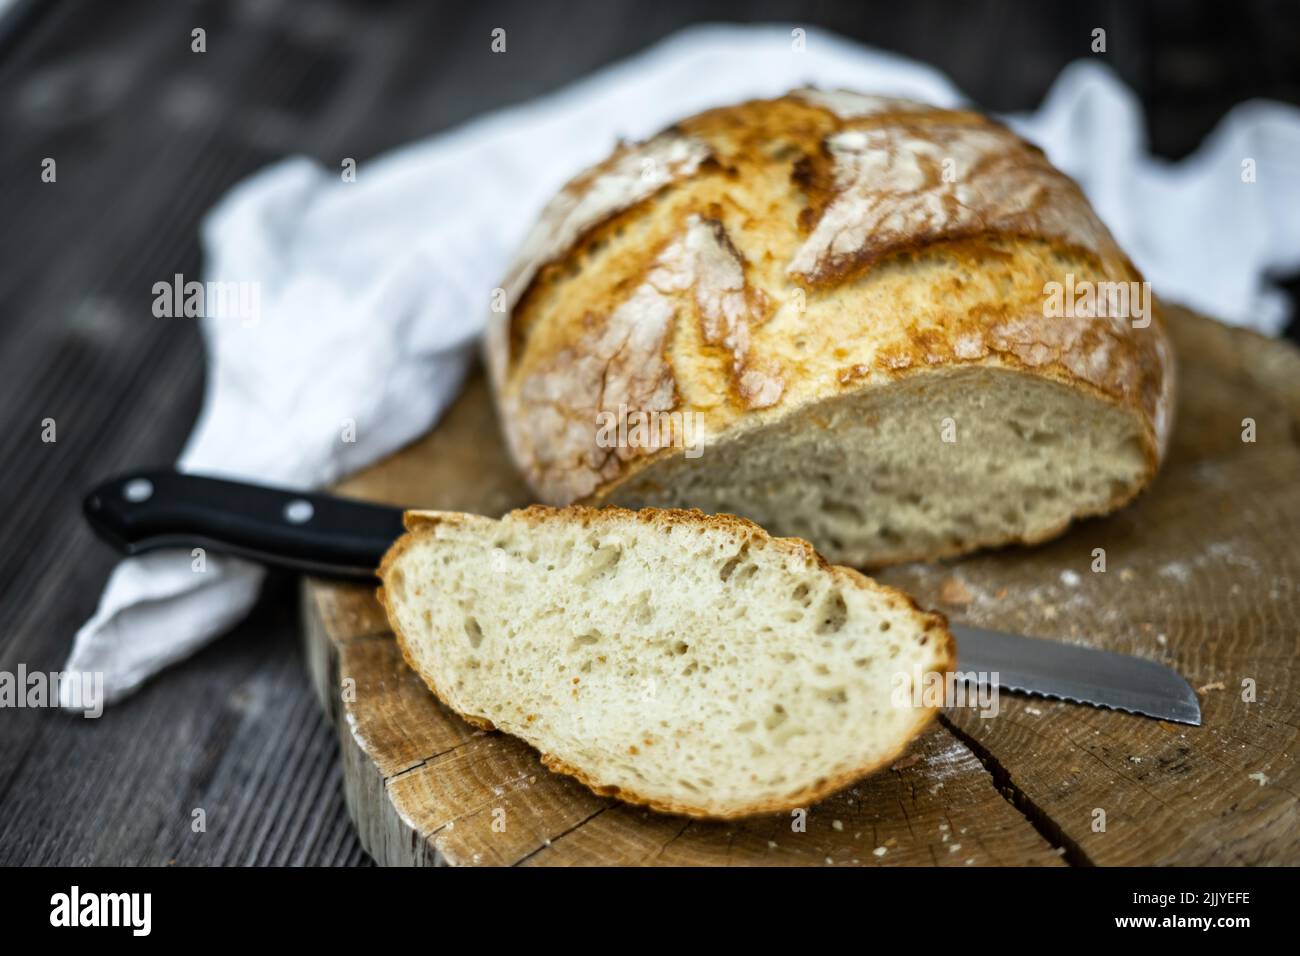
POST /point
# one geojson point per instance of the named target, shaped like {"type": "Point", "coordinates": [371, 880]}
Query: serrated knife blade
{"type": "Point", "coordinates": [1082, 675]}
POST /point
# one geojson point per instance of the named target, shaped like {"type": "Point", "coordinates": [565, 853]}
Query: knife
{"type": "Point", "coordinates": [335, 537]}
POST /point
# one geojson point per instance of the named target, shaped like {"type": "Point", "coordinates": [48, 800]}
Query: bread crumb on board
{"type": "Point", "coordinates": [954, 591]}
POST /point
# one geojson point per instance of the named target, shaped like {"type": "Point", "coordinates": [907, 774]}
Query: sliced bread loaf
{"type": "Point", "coordinates": [691, 663]}
{"type": "Point", "coordinates": [894, 330]}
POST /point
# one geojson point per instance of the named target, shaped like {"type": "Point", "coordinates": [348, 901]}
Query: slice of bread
{"type": "Point", "coordinates": [688, 662]}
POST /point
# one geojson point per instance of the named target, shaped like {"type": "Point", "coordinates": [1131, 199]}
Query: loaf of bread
{"type": "Point", "coordinates": [894, 330]}
{"type": "Point", "coordinates": [687, 662]}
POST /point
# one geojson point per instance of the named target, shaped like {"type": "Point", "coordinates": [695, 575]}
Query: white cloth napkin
{"type": "Point", "coordinates": [373, 292]}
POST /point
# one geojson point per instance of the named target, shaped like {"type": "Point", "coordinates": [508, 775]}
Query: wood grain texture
{"type": "Point", "coordinates": [147, 137]}
{"type": "Point", "coordinates": [1201, 573]}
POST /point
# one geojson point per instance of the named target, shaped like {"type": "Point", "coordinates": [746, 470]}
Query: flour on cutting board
{"type": "Point", "coordinates": [1176, 570]}
{"type": "Point", "coordinates": [1215, 555]}
{"type": "Point", "coordinates": [1072, 590]}
{"type": "Point", "coordinates": [1063, 597]}
{"type": "Point", "coordinates": [953, 760]}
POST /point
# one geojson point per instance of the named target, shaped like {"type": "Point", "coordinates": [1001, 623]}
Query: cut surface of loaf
{"type": "Point", "coordinates": [869, 475]}
{"type": "Point", "coordinates": [834, 284]}
{"type": "Point", "coordinates": [687, 662]}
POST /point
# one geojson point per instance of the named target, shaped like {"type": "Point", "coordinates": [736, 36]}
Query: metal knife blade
{"type": "Point", "coordinates": [1083, 675]}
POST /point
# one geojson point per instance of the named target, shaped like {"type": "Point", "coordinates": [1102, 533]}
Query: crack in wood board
{"type": "Point", "coordinates": [1051, 831]}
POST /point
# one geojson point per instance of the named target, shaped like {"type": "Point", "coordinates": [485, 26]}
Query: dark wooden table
{"type": "Point", "coordinates": [147, 135]}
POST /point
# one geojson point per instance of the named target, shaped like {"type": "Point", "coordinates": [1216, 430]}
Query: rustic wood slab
{"type": "Point", "coordinates": [1203, 572]}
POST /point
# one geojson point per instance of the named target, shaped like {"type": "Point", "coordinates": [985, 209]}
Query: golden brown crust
{"type": "Point", "coordinates": [823, 244]}
{"type": "Point", "coordinates": [935, 625]}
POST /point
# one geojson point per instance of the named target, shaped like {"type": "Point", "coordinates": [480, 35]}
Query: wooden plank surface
{"type": "Point", "coordinates": [148, 135]}
{"type": "Point", "coordinates": [1202, 573]}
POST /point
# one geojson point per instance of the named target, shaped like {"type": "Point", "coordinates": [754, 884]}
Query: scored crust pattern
{"type": "Point", "coordinates": [899, 185]}
{"type": "Point", "coordinates": [685, 273]}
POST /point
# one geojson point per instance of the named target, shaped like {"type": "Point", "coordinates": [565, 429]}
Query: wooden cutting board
{"type": "Point", "coordinates": [1202, 573]}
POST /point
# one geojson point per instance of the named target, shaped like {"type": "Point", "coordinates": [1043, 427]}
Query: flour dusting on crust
{"type": "Point", "coordinates": [729, 310]}
{"type": "Point", "coordinates": [635, 172]}
{"type": "Point", "coordinates": [630, 175]}
{"type": "Point", "coordinates": [897, 186]}
{"type": "Point", "coordinates": [619, 365]}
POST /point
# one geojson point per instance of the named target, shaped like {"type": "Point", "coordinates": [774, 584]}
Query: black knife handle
{"type": "Point", "coordinates": [303, 531]}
